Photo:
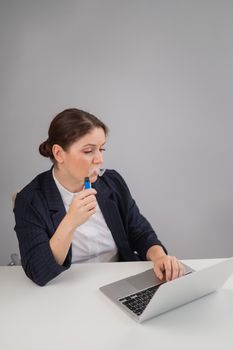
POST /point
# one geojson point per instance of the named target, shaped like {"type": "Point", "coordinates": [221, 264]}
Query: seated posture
{"type": "Point", "coordinates": [59, 222]}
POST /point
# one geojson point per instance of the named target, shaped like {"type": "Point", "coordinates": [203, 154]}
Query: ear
{"type": "Point", "coordinates": [58, 153]}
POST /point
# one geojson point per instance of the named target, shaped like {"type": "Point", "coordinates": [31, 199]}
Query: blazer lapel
{"type": "Point", "coordinates": [54, 200]}
{"type": "Point", "coordinates": [111, 214]}
{"type": "Point", "coordinates": [56, 207]}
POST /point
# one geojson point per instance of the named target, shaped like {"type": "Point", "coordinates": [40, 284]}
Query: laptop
{"type": "Point", "coordinates": [144, 296]}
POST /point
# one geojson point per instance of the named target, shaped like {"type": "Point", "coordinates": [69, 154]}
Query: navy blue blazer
{"type": "Point", "coordinates": [39, 209]}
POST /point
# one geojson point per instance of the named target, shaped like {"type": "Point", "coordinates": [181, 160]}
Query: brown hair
{"type": "Point", "coordinates": [67, 127]}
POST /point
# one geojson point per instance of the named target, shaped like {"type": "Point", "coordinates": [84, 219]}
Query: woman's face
{"type": "Point", "coordinates": [80, 160]}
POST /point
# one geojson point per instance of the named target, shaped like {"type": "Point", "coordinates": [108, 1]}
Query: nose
{"type": "Point", "coordinates": [98, 158]}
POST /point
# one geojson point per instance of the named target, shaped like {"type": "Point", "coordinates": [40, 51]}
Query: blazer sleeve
{"type": "Point", "coordinates": [33, 236]}
{"type": "Point", "coordinates": [140, 233]}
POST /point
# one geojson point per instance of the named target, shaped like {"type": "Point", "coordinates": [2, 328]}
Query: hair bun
{"type": "Point", "coordinates": [45, 149]}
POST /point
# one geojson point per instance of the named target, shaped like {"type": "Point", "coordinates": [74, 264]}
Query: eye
{"type": "Point", "coordinates": [88, 152]}
{"type": "Point", "coordinates": [102, 149]}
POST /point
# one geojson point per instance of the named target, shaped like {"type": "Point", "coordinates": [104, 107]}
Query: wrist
{"type": "Point", "coordinates": [68, 224]}
{"type": "Point", "coordinates": [155, 252]}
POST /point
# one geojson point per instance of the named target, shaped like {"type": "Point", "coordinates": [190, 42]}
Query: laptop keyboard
{"type": "Point", "coordinates": [137, 302]}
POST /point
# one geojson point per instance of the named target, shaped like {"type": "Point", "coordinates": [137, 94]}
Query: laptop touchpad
{"type": "Point", "coordinates": [144, 280]}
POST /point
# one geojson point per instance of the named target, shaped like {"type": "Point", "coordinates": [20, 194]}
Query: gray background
{"type": "Point", "coordinates": [159, 73]}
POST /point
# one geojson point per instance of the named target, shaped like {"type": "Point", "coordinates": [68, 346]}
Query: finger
{"type": "Point", "coordinates": [181, 269]}
{"type": "Point", "coordinates": [175, 268]}
{"type": "Point", "coordinates": [158, 270]}
{"type": "Point", "coordinates": [89, 199]}
{"type": "Point", "coordinates": [168, 269]}
{"type": "Point", "coordinates": [91, 212]}
{"type": "Point", "coordinates": [85, 193]}
{"type": "Point", "coordinates": [90, 206]}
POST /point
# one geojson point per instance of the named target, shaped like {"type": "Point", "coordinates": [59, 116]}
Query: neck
{"type": "Point", "coordinates": [67, 182]}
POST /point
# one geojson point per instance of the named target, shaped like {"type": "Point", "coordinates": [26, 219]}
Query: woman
{"type": "Point", "coordinates": [58, 222]}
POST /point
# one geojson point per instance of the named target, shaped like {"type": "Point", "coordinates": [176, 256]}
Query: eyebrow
{"type": "Point", "coordinates": [92, 145]}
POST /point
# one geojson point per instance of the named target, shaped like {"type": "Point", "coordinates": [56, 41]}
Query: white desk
{"type": "Point", "coordinates": [71, 313]}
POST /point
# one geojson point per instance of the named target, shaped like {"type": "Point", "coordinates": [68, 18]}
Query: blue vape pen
{"type": "Point", "coordinates": [87, 183]}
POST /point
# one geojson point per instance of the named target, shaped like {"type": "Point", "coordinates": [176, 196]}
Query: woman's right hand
{"type": "Point", "coordinates": [83, 206]}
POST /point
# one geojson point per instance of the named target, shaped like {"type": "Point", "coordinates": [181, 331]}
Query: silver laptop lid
{"type": "Point", "coordinates": [188, 288]}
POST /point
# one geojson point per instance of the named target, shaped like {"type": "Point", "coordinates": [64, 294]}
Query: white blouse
{"type": "Point", "coordinates": [92, 241]}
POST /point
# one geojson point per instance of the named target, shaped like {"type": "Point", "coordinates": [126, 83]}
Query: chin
{"type": "Point", "coordinates": [93, 178]}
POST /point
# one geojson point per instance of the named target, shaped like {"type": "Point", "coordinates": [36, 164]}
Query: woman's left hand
{"type": "Point", "coordinates": [168, 267]}
{"type": "Point", "coordinates": [165, 266]}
